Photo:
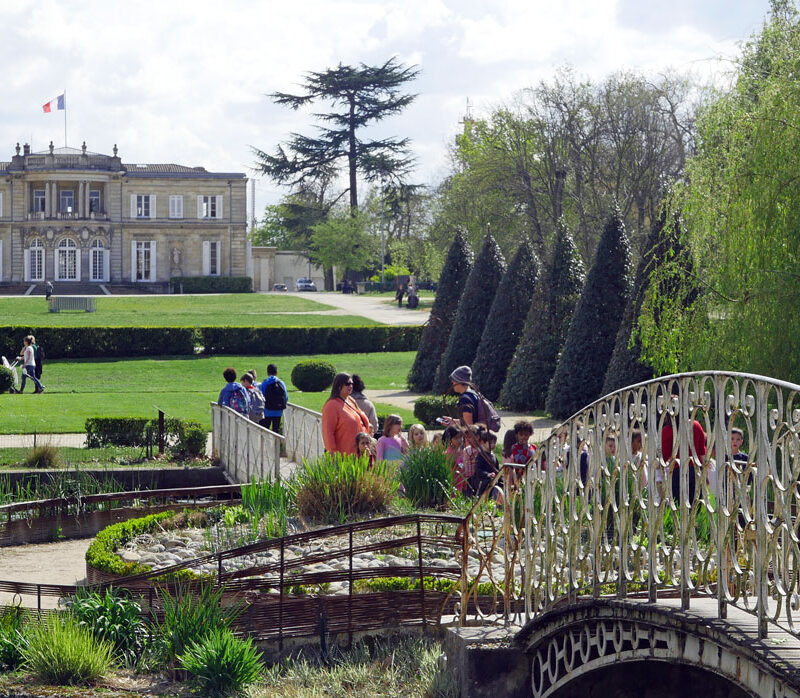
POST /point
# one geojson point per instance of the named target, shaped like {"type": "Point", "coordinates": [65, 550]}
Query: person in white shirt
{"type": "Point", "coordinates": [29, 362]}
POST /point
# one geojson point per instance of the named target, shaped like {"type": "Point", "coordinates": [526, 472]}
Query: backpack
{"type": "Point", "coordinates": [275, 397]}
{"type": "Point", "coordinates": [237, 401]}
{"type": "Point", "coordinates": [487, 414]}
{"type": "Point", "coordinates": [256, 404]}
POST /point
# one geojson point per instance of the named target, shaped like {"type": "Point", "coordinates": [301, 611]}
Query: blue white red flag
{"type": "Point", "coordinates": [57, 103]}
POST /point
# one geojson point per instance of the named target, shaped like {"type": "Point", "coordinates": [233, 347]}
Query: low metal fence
{"type": "Point", "coordinates": [303, 429]}
{"type": "Point", "coordinates": [245, 450]}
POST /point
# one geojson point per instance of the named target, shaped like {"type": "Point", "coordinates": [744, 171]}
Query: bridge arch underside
{"type": "Point", "coordinates": [613, 646]}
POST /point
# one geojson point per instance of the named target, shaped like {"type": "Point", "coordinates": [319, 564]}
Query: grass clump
{"type": "Point", "coordinates": [13, 624]}
{"type": "Point", "coordinates": [339, 487]}
{"type": "Point", "coordinates": [400, 665]}
{"type": "Point", "coordinates": [60, 650]}
{"type": "Point", "coordinates": [42, 457]}
{"type": "Point", "coordinates": [427, 477]}
{"type": "Point", "coordinates": [190, 615]}
{"type": "Point", "coordinates": [222, 664]}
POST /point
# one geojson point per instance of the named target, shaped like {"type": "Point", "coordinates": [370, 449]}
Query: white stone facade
{"type": "Point", "coordinates": [70, 215]}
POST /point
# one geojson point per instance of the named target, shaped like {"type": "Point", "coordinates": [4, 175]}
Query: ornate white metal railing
{"type": "Point", "coordinates": [245, 449]}
{"type": "Point", "coordinates": [686, 514]}
{"type": "Point", "coordinates": [303, 429]}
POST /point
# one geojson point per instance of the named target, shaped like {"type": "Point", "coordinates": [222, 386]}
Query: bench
{"type": "Point", "coordinates": [59, 303]}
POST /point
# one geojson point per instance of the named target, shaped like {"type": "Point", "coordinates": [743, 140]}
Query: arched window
{"type": "Point", "coordinates": [67, 261]}
{"type": "Point", "coordinates": [99, 261]}
{"type": "Point", "coordinates": [34, 261]}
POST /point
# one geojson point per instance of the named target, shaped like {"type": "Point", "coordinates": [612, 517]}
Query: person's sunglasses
{"type": "Point", "coordinates": [349, 383]}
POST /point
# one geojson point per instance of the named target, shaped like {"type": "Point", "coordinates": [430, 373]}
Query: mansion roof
{"type": "Point", "coordinates": [55, 159]}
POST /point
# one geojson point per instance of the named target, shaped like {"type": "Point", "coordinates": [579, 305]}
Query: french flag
{"type": "Point", "coordinates": [57, 103]}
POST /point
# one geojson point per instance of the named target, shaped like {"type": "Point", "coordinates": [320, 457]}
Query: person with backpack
{"type": "Point", "coordinates": [473, 408]}
{"type": "Point", "coordinates": [276, 397]}
{"type": "Point", "coordinates": [233, 394]}
{"type": "Point", "coordinates": [256, 413]}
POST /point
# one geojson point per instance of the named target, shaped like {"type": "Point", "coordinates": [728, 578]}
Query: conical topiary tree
{"type": "Point", "coordinates": [582, 366]}
{"type": "Point", "coordinates": [506, 319]}
{"type": "Point", "coordinates": [452, 280]}
{"type": "Point", "coordinates": [546, 326]}
{"type": "Point", "coordinates": [626, 367]}
{"type": "Point", "coordinates": [472, 313]}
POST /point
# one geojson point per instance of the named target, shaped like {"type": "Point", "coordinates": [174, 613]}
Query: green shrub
{"type": "Point", "coordinates": [546, 326]}
{"type": "Point", "coordinates": [375, 584]}
{"type": "Point", "coordinates": [59, 650]}
{"type": "Point", "coordinates": [192, 614]}
{"type": "Point", "coordinates": [390, 273]}
{"type": "Point", "coordinates": [116, 431]}
{"type": "Point", "coordinates": [112, 617]}
{"type": "Point", "coordinates": [6, 379]}
{"type": "Point", "coordinates": [13, 623]}
{"type": "Point", "coordinates": [313, 375]}
{"type": "Point", "coordinates": [427, 476]}
{"type": "Point", "coordinates": [583, 363]}
{"type": "Point", "coordinates": [457, 267]}
{"type": "Point", "coordinates": [221, 664]}
{"type": "Point", "coordinates": [184, 437]}
{"type": "Point", "coordinates": [428, 407]}
{"type": "Point", "coordinates": [85, 342]}
{"type": "Point", "coordinates": [505, 321]}
{"type": "Point", "coordinates": [211, 284]}
{"type": "Point", "coordinates": [338, 487]}
{"type": "Point", "coordinates": [41, 457]}
{"type": "Point", "coordinates": [473, 309]}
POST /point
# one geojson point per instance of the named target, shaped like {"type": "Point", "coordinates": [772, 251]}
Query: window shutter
{"type": "Point", "coordinates": [153, 275]}
{"type": "Point", "coordinates": [26, 264]}
{"type": "Point", "coordinates": [219, 207]}
{"type": "Point", "coordinates": [152, 205]}
{"type": "Point", "coordinates": [218, 250]}
{"type": "Point", "coordinates": [1, 260]}
{"type": "Point", "coordinates": [206, 257]}
{"type": "Point", "coordinates": [78, 264]}
{"type": "Point", "coordinates": [199, 206]}
{"type": "Point", "coordinates": [133, 261]}
{"type": "Point", "coordinates": [133, 205]}
{"type": "Point", "coordinates": [1, 204]}
{"type": "Point", "coordinates": [106, 265]}
{"type": "Point", "coordinates": [179, 206]}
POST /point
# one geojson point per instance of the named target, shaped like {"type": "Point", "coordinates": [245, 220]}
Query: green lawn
{"type": "Point", "coordinates": [252, 310]}
{"type": "Point", "coordinates": [182, 387]}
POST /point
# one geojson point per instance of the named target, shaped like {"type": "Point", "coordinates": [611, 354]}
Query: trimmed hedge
{"type": "Point", "coordinates": [428, 407]}
{"type": "Point", "coordinates": [102, 557]}
{"type": "Point", "coordinates": [90, 342]}
{"type": "Point", "coordinates": [86, 342]}
{"type": "Point", "coordinates": [183, 437]}
{"type": "Point", "coordinates": [212, 284]}
{"type": "Point", "coordinates": [313, 375]}
{"type": "Point", "coordinates": [284, 341]}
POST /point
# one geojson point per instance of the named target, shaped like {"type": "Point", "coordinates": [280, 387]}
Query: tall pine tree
{"type": "Point", "coordinates": [582, 366]}
{"type": "Point", "coordinates": [473, 310]}
{"type": "Point", "coordinates": [546, 326]}
{"type": "Point", "coordinates": [452, 280]}
{"type": "Point", "coordinates": [506, 319]}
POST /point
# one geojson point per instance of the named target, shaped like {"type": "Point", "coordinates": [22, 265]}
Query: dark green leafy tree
{"type": "Point", "coordinates": [360, 96]}
{"type": "Point", "coordinates": [583, 363]}
{"type": "Point", "coordinates": [455, 272]}
{"type": "Point", "coordinates": [506, 319]}
{"type": "Point", "coordinates": [473, 311]}
{"type": "Point", "coordinates": [546, 326]}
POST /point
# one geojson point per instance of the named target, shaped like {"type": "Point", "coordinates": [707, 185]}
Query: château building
{"type": "Point", "coordinates": [69, 215]}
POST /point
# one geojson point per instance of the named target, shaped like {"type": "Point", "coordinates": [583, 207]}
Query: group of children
{"type": "Point", "coordinates": [262, 403]}
{"type": "Point", "coordinates": [470, 450]}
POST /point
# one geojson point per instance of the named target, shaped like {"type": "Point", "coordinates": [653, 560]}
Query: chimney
{"type": "Point", "coordinates": [26, 149]}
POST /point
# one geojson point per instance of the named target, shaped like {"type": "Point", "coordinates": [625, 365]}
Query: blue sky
{"type": "Point", "coordinates": [176, 81]}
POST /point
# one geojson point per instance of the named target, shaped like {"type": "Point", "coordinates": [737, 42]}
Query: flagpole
{"type": "Point", "coordinates": [65, 117]}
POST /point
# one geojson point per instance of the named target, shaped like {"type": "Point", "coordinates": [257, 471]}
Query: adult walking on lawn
{"type": "Point", "coordinates": [276, 398]}
{"type": "Point", "coordinates": [29, 362]}
{"type": "Point", "coordinates": [342, 419]}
